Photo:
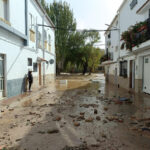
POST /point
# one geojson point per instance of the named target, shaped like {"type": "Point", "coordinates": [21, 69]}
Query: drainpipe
{"type": "Point", "coordinates": [26, 42]}
{"type": "Point", "coordinates": [118, 60]}
{"type": "Point", "coordinates": [37, 36]}
{"type": "Point", "coordinates": [43, 48]}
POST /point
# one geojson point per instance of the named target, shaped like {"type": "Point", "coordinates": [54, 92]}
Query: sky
{"type": "Point", "coordinates": [94, 14]}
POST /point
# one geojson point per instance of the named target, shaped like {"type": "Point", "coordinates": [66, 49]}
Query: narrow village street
{"type": "Point", "coordinates": [76, 113]}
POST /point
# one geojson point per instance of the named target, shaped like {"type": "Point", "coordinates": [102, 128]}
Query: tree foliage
{"type": "Point", "coordinates": [74, 50]}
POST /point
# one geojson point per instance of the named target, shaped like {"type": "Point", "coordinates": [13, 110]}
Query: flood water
{"type": "Point", "coordinates": [84, 110]}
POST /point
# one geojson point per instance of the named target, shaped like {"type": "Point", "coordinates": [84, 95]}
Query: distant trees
{"type": "Point", "coordinates": [75, 51]}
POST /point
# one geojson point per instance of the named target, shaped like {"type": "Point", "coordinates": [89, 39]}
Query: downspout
{"type": "Point", "coordinates": [26, 42]}
{"type": "Point", "coordinates": [37, 36]}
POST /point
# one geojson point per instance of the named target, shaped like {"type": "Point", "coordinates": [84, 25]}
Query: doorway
{"type": "Point", "coordinates": [2, 87]}
{"type": "Point", "coordinates": [40, 74]}
{"type": "Point", "coordinates": [132, 74]}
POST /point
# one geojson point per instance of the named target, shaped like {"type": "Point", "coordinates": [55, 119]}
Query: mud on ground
{"type": "Point", "coordinates": [82, 113]}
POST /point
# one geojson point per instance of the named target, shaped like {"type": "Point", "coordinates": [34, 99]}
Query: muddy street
{"type": "Point", "coordinates": [76, 113]}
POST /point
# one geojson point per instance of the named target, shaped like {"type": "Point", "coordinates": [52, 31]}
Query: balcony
{"type": "Point", "coordinates": [136, 36]}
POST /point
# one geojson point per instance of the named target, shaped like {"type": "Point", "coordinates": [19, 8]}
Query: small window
{"type": "Point", "coordinates": [35, 66]}
{"type": "Point", "coordinates": [39, 40]}
{"type": "Point", "coordinates": [123, 69]}
{"type": "Point", "coordinates": [109, 35]}
{"type": "Point", "coordinates": [45, 35]}
{"type": "Point", "coordinates": [146, 61]}
{"type": "Point", "coordinates": [31, 22]}
{"type": "Point", "coordinates": [49, 39]}
{"type": "Point", "coordinates": [133, 4]}
{"type": "Point", "coordinates": [4, 9]}
{"type": "Point", "coordinates": [29, 61]}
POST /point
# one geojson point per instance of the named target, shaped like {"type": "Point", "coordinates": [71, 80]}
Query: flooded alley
{"type": "Point", "coordinates": [76, 113]}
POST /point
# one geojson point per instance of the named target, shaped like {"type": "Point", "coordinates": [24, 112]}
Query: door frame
{"type": "Point", "coordinates": [5, 77]}
{"type": "Point", "coordinates": [132, 75]}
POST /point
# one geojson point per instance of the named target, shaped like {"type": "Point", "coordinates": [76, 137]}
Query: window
{"type": "Point", "coordinates": [111, 56]}
{"type": "Point", "coordinates": [29, 61]}
{"type": "Point", "coordinates": [49, 42]}
{"type": "Point", "coordinates": [109, 35]}
{"type": "Point", "coordinates": [4, 9]}
{"type": "Point", "coordinates": [35, 66]}
{"type": "Point", "coordinates": [133, 3]}
{"type": "Point", "coordinates": [123, 69]}
{"type": "Point", "coordinates": [45, 35]}
{"type": "Point", "coordinates": [31, 22]}
{"type": "Point", "coordinates": [39, 40]}
{"type": "Point", "coordinates": [32, 36]}
{"type": "Point", "coordinates": [49, 39]}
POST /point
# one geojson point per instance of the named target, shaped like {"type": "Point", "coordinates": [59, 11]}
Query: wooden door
{"type": "Point", "coordinates": [39, 73]}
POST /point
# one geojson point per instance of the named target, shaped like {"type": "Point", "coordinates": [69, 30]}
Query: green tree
{"type": "Point", "coordinates": [62, 17]}
{"type": "Point", "coordinates": [94, 59]}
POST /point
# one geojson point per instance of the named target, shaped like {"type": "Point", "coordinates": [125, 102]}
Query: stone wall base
{"type": "Point", "coordinates": [125, 83]}
{"type": "Point", "coordinates": [138, 85]}
{"type": "Point", "coordinates": [49, 79]}
{"type": "Point", "coordinates": [120, 81]}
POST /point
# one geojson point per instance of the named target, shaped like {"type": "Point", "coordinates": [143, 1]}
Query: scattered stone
{"type": "Point", "coordinates": [2, 110]}
{"type": "Point", "coordinates": [147, 124]}
{"type": "Point", "coordinates": [58, 118]}
{"type": "Point", "coordinates": [72, 116]}
{"type": "Point", "coordinates": [89, 105]}
{"type": "Point", "coordinates": [80, 118]}
{"type": "Point", "coordinates": [95, 111]}
{"type": "Point", "coordinates": [98, 118]}
{"type": "Point", "coordinates": [105, 108]}
{"type": "Point", "coordinates": [17, 140]}
{"type": "Point", "coordinates": [90, 119]}
{"type": "Point", "coordinates": [104, 135]}
{"type": "Point", "coordinates": [104, 121]}
{"type": "Point", "coordinates": [120, 120]}
{"type": "Point", "coordinates": [53, 131]}
{"type": "Point", "coordinates": [81, 147]}
{"type": "Point", "coordinates": [95, 145]}
{"type": "Point", "coordinates": [77, 124]}
{"type": "Point", "coordinates": [110, 118]}
{"type": "Point", "coordinates": [11, 109]}
{"type": "Point", "coordinates": [82, 113]}
{"type": "Point", "coordinates": [41, 132]}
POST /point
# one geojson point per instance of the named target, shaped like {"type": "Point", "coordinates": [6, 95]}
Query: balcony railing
{"type": "Point", "coordinates": [137, 34]}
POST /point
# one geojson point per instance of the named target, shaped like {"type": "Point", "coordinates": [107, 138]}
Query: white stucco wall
{"type": "Point", "coordinates": [13, 47]}
{"type": "Point", "coordinates": [128, 17]}
{"type": "Point", "coordinates": [17, 14]}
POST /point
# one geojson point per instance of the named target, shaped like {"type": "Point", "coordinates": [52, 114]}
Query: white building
{"type": "Point", "coordinates": [130, 68]}
{"type": "Point", "coordinates": [22, 40]}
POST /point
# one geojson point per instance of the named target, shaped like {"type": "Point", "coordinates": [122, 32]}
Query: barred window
{"type": "Point", "coordinates": [123, 68]}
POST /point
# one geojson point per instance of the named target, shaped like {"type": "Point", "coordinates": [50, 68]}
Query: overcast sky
{"type": "Point", "coordinates": [93, 14]}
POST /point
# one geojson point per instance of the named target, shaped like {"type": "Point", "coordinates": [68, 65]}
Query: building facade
{"type": "Point", "coordinates": [25, 43]}
{"type": "Point", "coordinates": [128, 39]}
